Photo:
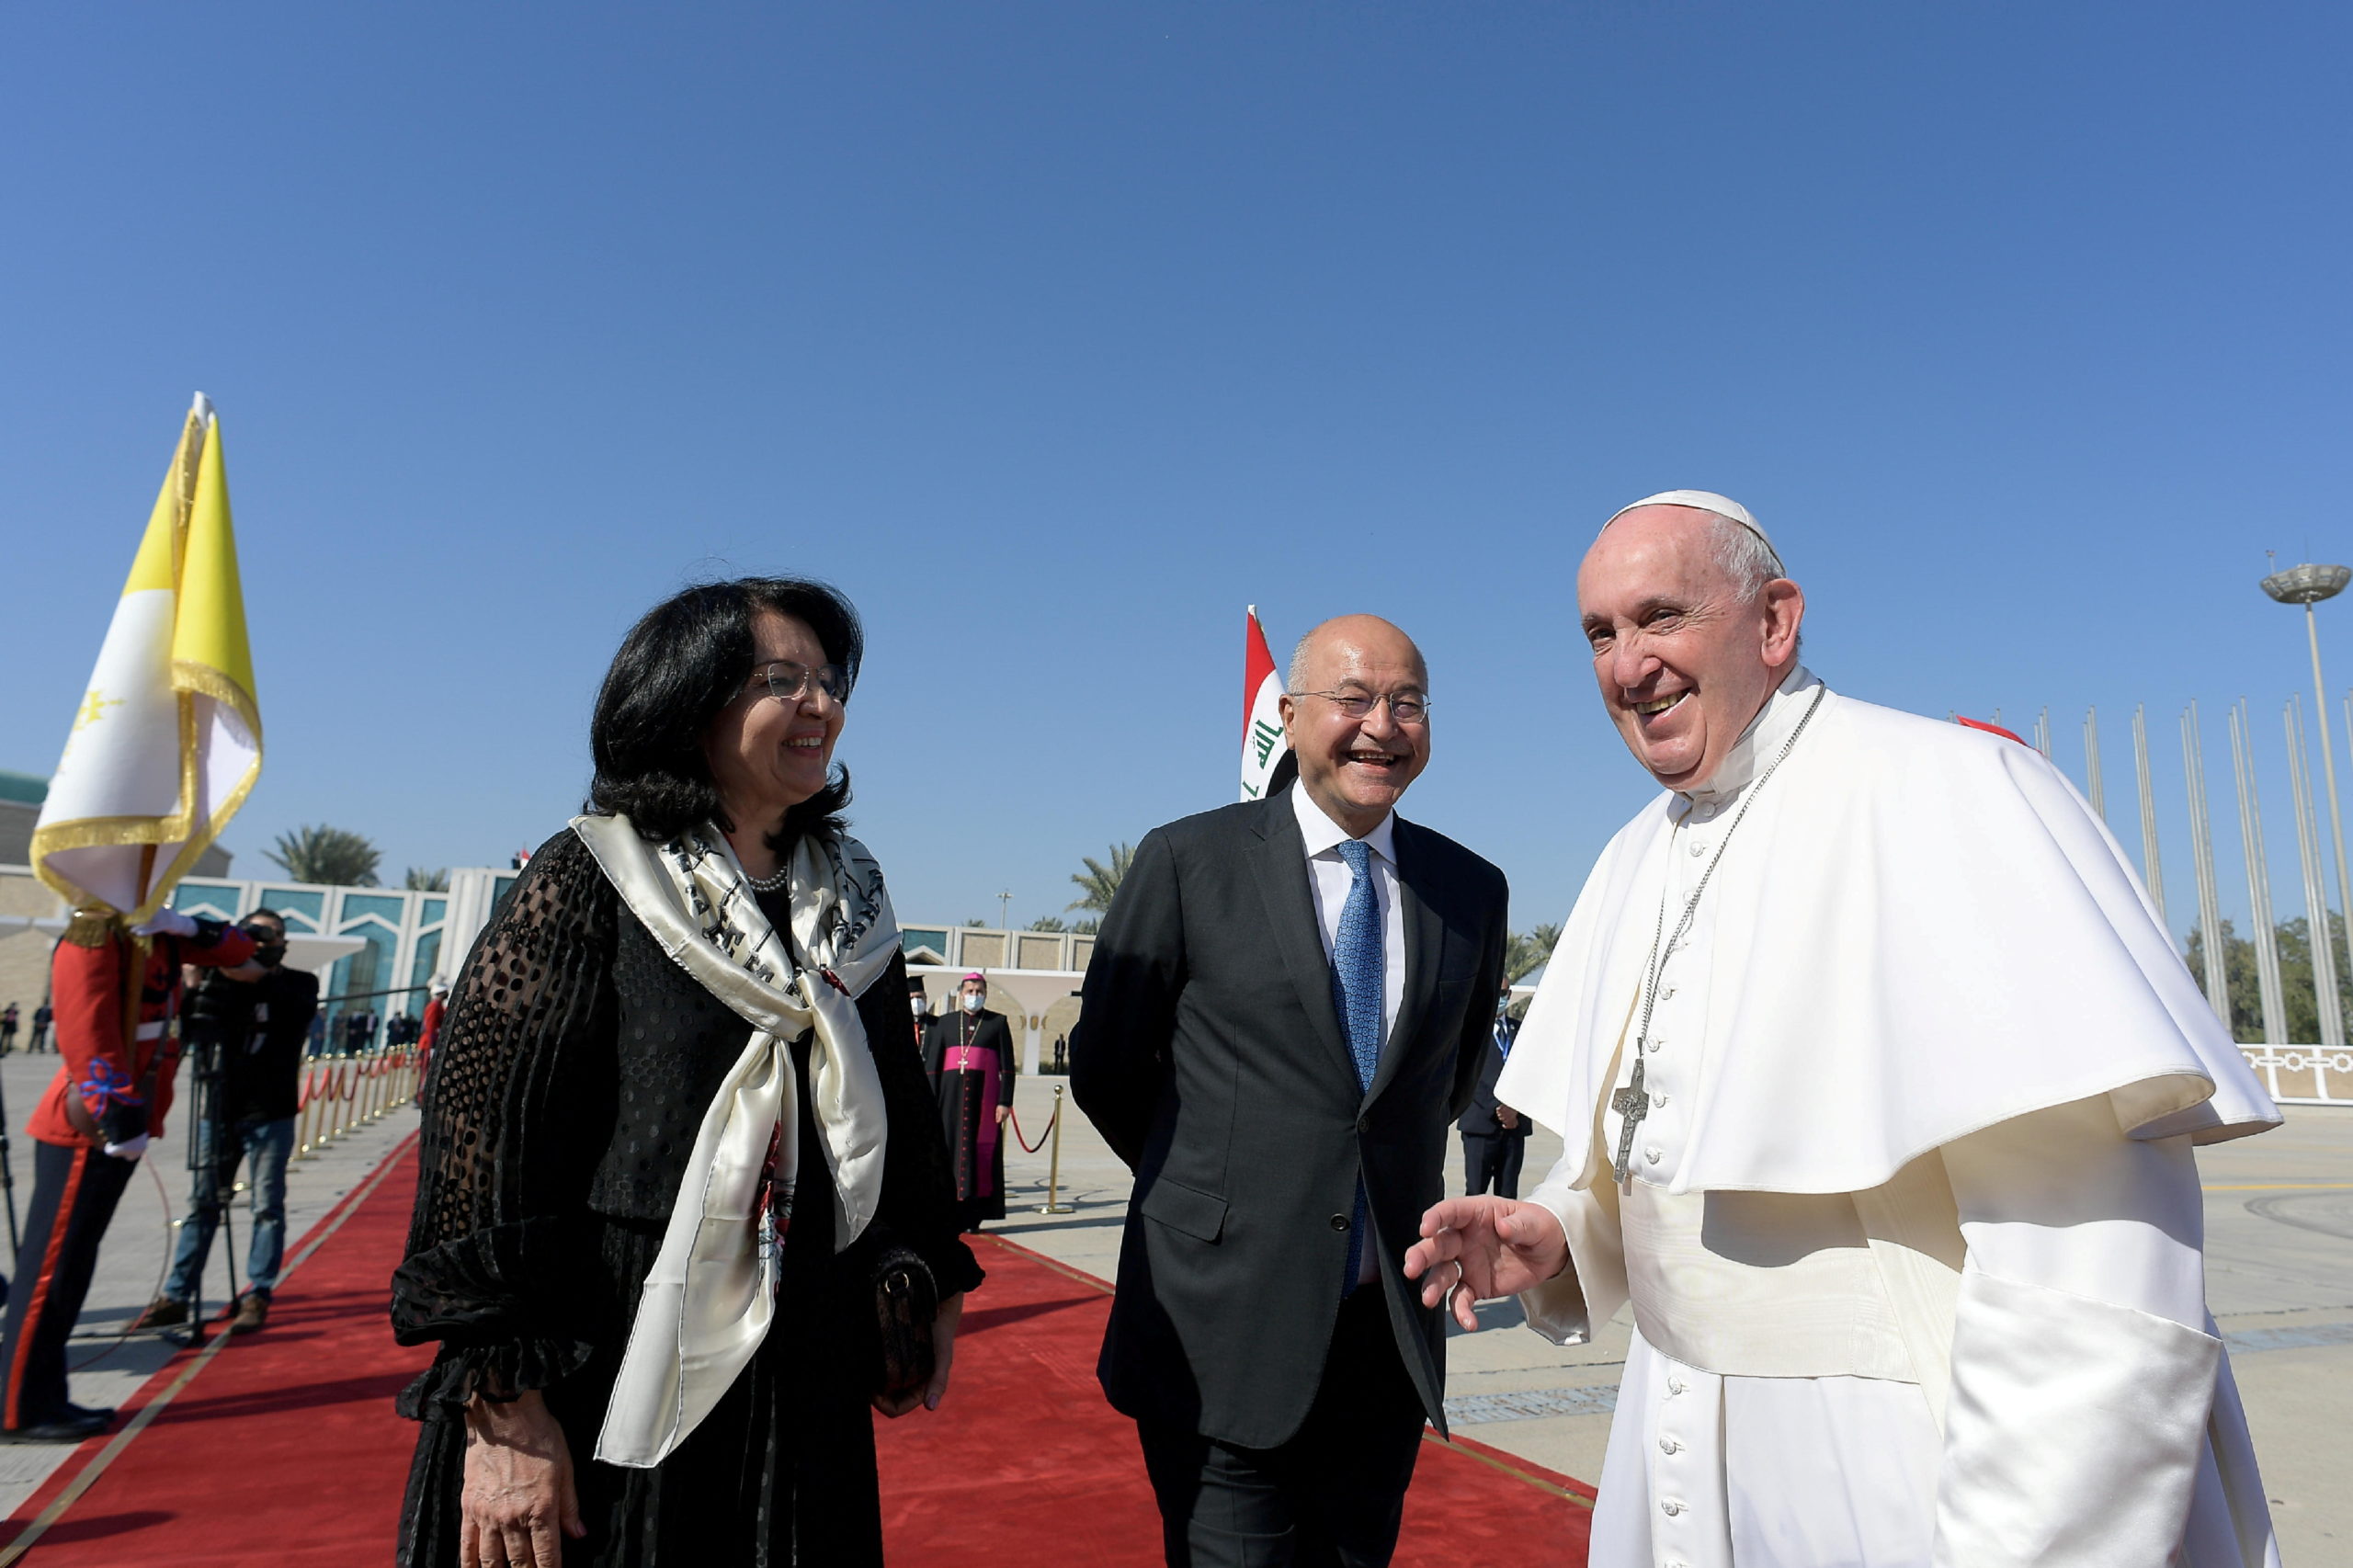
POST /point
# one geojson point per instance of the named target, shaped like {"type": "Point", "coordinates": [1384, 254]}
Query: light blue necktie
{"type": "Point", "coordinates": [1356, 995]}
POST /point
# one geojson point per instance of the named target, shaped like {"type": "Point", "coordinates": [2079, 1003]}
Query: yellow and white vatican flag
{"type": "Point", "coordinates": [166, 743]}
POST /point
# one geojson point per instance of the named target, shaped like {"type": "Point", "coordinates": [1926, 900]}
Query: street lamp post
{"type": "Point", "coordinates": [2307, 585]}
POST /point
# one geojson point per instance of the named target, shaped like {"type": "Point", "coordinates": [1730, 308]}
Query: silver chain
{"type": "Point", "coordinates": [1654, 967]}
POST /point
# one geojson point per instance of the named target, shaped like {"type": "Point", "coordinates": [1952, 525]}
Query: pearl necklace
{"type": "Point", "coordinates": [770, 883]}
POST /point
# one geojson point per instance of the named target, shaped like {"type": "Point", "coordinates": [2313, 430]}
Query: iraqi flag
{"type": "Point", "coordinates": [1265, 750]}
{"type": "Point", "coordinates": [166, 740]}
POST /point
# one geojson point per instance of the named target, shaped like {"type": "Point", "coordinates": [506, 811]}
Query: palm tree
{"type": "Point", "coordinates": [333, 856]}
{"type": "Point", "coordinates": [1524, 953]}
{"type": "Point", "coordinates": [1047, 923]}
{"type": "Point", "coordinates": [419, 880]}
{"type": "Point", "coordinates": [1098, 882]}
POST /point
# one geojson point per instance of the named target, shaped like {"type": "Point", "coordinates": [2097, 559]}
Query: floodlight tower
{"type": "Point", "coordinates": [2307, 585]}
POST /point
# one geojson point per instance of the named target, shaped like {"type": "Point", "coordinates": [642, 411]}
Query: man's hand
{"type": "Point", "coordinates": [1003, 1113]}
{"type": "Point", "coordinates": [1497, 1246]}
{"type": "Point", "coordinates": [1506, 1117]}
{"type": "Point", "coordinates": [943, 1352]}
{"type": "Point", "coordinates": [519, 1491]}
{"type": "Point", "coordinates": [165, 923]}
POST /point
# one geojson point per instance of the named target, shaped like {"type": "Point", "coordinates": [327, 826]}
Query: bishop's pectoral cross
{"type": "Point", "coordinates": [1632, 1104]}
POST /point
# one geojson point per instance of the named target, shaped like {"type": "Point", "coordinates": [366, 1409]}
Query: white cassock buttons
{"type": "Point", "coordinates": [1670, 1507]}
{"type": "Point", "coordinates": [1667, 994]}
{"type": "Point", "coordinates": [1651, 1155]}
{"type": "Point", "coordinates": [1658, 1099]}
{"type": "Point", "coordinates": [1676, 1385]}
{"type": "Point", "coordinates": [1697, 849]}
{"type": "Point", "coordinates": [1669, 1445]}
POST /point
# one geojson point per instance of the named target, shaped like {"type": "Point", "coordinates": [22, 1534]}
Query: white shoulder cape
{"type": "Point", "coordinates": [1923, 931]}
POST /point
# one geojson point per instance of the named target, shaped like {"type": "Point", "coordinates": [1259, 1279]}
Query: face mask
{"type": "Point", "coordinates": [973, 1003]}
{"type": "Point", "coordinates": [916, 1002]}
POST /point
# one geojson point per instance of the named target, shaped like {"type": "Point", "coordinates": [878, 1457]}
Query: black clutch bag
{"type": "Point", "coordinates": [905, 1298]}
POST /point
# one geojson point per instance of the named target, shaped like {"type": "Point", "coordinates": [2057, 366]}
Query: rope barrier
{"type": "Point", "coordinates": [1027, 1146]}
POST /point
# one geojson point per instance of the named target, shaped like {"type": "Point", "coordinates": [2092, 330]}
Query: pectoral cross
{"type": "Point", "coordinates": [1633, 1105]}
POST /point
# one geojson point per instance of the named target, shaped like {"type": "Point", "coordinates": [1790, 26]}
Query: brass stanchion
{"type": "Point", "coordinates": [310, 1111]}
{"type": "Point", "coordinates": [1054, 1166]}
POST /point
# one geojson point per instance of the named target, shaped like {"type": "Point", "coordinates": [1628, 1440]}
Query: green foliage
{"type": "Point", "coordinates": [2245, 986]}
{"type": "Point", "coordinates": [1047, 923]}
{"type": "Point", "coordinates": [419, 880]}
{"type": "Point", "coordinates": [1526, 952]}
{"type": "Point", "coordinates": [1099, 882]}
{"type": "Point", "coordinates": [333, 856]}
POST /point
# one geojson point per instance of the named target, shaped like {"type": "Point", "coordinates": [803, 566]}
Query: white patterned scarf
{"type": "Point", "coordinates": [712, 1294]}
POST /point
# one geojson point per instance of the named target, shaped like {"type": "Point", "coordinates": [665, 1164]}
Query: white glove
{"type": "Point", "coordinates": [165, 923]}
{"type": "Point", "coordinates": [131, 1150]}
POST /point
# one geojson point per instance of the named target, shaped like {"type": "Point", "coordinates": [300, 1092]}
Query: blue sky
{"type": "Point", "coordinates": [1056, 334]}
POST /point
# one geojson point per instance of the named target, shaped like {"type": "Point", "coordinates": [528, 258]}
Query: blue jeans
{"type": "Point", "coordinates": [269, 1143]}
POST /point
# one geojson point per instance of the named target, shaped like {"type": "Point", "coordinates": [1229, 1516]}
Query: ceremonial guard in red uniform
{"type": "Point", "coordinates": [115, 993]}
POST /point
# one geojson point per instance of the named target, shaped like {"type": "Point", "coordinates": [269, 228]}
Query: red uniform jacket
{"type": "Point", "coordinates": [104, 1067]}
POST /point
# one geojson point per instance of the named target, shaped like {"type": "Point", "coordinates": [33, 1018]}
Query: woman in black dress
{"type": "Point", "coordinates": [594, 1054]}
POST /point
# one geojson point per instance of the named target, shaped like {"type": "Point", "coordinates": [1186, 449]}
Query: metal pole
{"type": "Point", "coordinates": [2321, 943]}
{"type": "Point", "coordinates": [2150, 871]}
{"type": "Point", "coordinates": [2258, 880]}
{"type": "Point", "coordinates": [1054, 1204]}
{"type": "Point", "coordinates": [2091, 764]}
{"type": "Point", "coordinates": [2042, 733]}
{"type": "Point", "coordinates": [2201, 862]}
{"type": "Point", "coordinates": [2328, 758]}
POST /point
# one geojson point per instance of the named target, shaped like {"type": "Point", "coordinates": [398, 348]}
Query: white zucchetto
{"type": "Point", "coordinates": [1705, 501]}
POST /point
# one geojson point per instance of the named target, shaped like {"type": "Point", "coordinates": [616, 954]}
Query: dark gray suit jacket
{"type": "Point", "coordinates": [1210, 1054]}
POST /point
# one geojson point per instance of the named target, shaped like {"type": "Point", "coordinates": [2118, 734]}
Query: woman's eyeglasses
{"type": "Point", "coordinates": [788, 682]}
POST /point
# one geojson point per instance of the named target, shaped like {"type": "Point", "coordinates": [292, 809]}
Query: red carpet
{"type": "Point", "coordinates": [1025, 1463]}
{"type": "Point", "coordinates": [283, 1448]}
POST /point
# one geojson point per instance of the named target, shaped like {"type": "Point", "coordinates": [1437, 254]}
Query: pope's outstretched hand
{"type": "Point", "coordinates": [1489, 1246]}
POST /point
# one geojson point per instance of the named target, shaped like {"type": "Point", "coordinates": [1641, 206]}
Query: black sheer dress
{"type": "Point", "coordinates": [573, 1072]}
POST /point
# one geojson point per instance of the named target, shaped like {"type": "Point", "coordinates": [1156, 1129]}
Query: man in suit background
{"type": "Point", "coordinates": [1494, 1136]}
{"type": "Point", "coordinates": [1288, 1004]}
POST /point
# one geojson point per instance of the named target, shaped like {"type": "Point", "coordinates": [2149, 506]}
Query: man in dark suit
{"type": "Point", "coordinates": [1494, 1136]}
{"type": "Point", "coordinates": [1287, 1006]}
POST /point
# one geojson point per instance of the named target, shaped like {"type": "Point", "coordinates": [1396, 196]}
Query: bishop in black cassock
{"type": "Point", "coordinates": [969, 1054]}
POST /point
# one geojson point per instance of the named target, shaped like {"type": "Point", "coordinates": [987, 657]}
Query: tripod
{"type": "Point", "coordinates": [215, 1152]}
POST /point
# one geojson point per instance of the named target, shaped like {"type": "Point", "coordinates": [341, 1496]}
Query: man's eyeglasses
{"type": "Point", "coordinates": [788, 682]}
{"type": "Point", "coordinates": [1408, 709]}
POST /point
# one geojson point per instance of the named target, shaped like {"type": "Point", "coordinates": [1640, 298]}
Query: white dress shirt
{"type": "Point", "coordinates": [1329, 880]}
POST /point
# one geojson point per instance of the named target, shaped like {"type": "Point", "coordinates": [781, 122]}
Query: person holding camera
{"type": "Point", "coordinates": [244, 1029]}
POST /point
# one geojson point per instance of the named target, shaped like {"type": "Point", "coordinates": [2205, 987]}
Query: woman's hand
{"type": "Point", "coordinates": [943, 1352]}
{"type": "Point", "coordinates": [518, 1491]}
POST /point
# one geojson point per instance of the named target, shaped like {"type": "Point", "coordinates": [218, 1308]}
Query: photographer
{"type": "Point", "coordinates": [245, 1031]}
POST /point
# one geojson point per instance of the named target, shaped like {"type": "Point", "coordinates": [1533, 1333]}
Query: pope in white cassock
{"type": "Point", "coordinates": [1878, 1079]}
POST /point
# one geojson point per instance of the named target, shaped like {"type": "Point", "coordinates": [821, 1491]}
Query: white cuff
{"type": "Point", "coordinates": [1556, 1309]}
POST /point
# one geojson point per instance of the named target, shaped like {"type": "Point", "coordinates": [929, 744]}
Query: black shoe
{"type": "Point", "coordinates": [83, 1412]}
{"type": "Point", "coordinates": [69, 1428]}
